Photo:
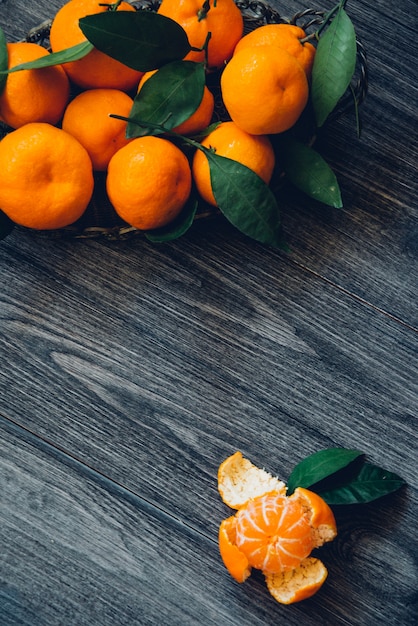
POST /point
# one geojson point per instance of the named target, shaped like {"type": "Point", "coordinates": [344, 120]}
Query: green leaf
{"type": "Point", "coordinates": [369, 484]}
{"type": "Point", "coordinates": [168, 98]}
{"type": "Point", "coordinates": [334, 65]}
{"type": "Point", "coordinates": [56, 58]}
{"type": "Point", "coordinates": [6, 225]}
{"type": "Point", "coordinates": [177, 228]}
{"type": "Point", "coordinates": [142, 40]}
{"type": "Point", "coordinates": [310, 173]}
{"type": "Point", "coordinates": [245, 200]}
{"type": "Point", "coordinates": [319, 466]}
{"type": "Point", "coordinates": [4, 60]}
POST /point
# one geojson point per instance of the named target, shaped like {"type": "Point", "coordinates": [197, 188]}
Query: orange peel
{"type": "Point", "coordinates": [240, 481]}
{"type": "Point", "coordinates": [272, 532]}
{"type": "Point", "coordinates": [298, 584]}
{"type": "Point", "coordinates": [234, 560]}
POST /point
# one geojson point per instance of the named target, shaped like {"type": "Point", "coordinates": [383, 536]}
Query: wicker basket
{"type": "Point", "coordinates": [100, 220]}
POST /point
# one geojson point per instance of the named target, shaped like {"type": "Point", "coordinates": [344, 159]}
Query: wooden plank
{"type": "Point", "coordinates": [164, 361]}
{"type": "Point", "coordinates": [76, 548]}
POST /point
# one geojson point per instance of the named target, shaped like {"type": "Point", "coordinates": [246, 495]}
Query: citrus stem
{"type": "Point", "coordinates": [327, 18]}
{"type": "Point", "coordinates": [203, 48]}
{"type": "Point", "coordinates": [163, 129]}
{"type": "Point", "coordinates": [308, 38]}
{"type": "Point", "coordinates": [338, 7]}
{"type": "Point", "coordinates": [111, 6]}
{"type": "Point", "coordinates": [203, 11]}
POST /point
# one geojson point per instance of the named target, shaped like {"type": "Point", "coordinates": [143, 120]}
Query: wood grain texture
{"type": "Point", "coordinates": [130, 370]}
{"type": "Point", "coordinates": [79, 549]}
{"type": "Point", "coordinates": [164, 388]}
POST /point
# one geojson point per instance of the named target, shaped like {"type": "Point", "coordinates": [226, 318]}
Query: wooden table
{"type": "Point", "coordinates": [130, 370]}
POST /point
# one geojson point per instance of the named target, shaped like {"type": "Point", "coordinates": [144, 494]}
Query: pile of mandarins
{"type": "Point", "coordinates": [47, 161]}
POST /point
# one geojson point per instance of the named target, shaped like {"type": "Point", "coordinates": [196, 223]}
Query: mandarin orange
{"type": "Point", "coordinates": [46, 177]}
{"type": "Point", "coordinates": [264, 89]}
{"type": "Point", "coordinates": [39, 95]}
{"type": "Point", "coordinates": [286, 36]}
{"type": "Point", "coordinates": [228, 140]}
{"type": "Point", "coordinates": [87, 118]}
{"type": "Point", "coordinates": [148, 182]}
{"type": "Point", "coordinates": [221, 18]}
{"type": "Point", "coordinates": [96, 69]}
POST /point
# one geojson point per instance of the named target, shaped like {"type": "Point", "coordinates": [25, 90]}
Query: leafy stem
{"type": "Point", "coordinates": [204, 48]}
{"type": "Point", "coordinates": [111, 7]}
{"type": "Point", "coordinates": [204, 10]}
{"type": "Point", "coordinates": [327, 18]}
{"type": "Point", "coordinates": [161, 128]}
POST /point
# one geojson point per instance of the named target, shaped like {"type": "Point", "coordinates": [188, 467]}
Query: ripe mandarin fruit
{"type": "Point", "coordinates": [286, 36]}
{"type": "Point", "coordinates": [264, 89]}
{"type": "Point", "coordinates": [33, 95]}
{"type": "Point", "coordinates": [87, 119]}
{"type": "Point", "coordinates": [272, 532]}
{"type": "Point", "coordinates": [148, 182]}
{"type": "Point", "coordinates": [200, 119]}
{"type": "Point", "coordinates": [256, 152]}
{"type": "Point", "coordinates": [95, 70]}
{"type": "Point", "coordinates": [221, 18]}
{"type": "Point", "coordinates": [46, 177]}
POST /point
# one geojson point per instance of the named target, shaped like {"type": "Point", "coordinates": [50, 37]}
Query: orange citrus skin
{"type": "Point", "coordinates": [200, 119]}
{"type": "Point", "coordinates": [228, 140]}
{"type": "Point", "coordinates": [33, 95]}
{"type": "Point", "coordinates": [87, 118]}
{"type": "Point", "coordinates": [95, 70]}
{"type": "Point", "coordinates": [297, 585]}
{"type": "Point", "coordinates": [148, 182]}
{"type": "Point", "coordinates": [46, 177]}
{"type": "Point", "coordinates": [234, 559]}
{"type": "Point", "coordinates": [223, 20]}
{"type": "Point", "coordinates": [239, 480]}
{"type": "Point", "coordinates": [286, 36]}
{"type": "Point", "coordinates": [264, 89]}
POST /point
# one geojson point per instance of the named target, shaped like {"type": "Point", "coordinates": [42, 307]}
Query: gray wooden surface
{"type": "Point", "coordinates": [130, 370]}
